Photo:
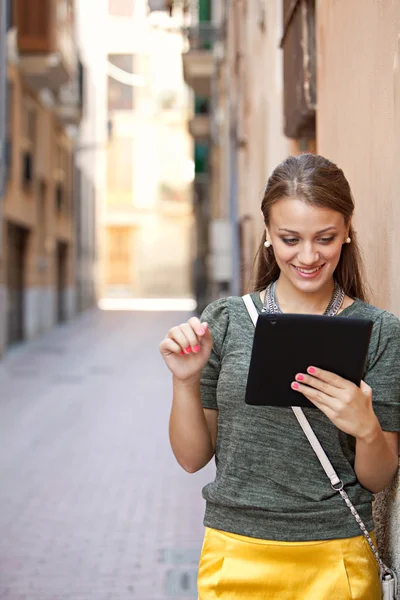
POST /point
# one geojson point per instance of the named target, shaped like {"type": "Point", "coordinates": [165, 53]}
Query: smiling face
{"type": "Point", "coordinates": [307, 242]}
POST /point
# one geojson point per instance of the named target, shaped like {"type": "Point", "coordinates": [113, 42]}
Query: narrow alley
{"type": "Point", "coordinates": [92, 503]}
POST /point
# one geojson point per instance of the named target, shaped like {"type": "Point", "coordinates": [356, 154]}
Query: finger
{"type": "Point", "coordinates": [315, 395]}
{"type": "Point", "coordinates": [328, 377]}
{"type": "Point", "coordinates": [169, 346]}
{"type": "Point", "coordinates": [177, 334]}
{"type": "Point", "coordinates": [206, 339]}
{"type": "Point", "coordinates": [191, 336]}
{"type": "Point", "coordinates": [198, 327]}
{"type": "Point", "coordinates": [317, 384]}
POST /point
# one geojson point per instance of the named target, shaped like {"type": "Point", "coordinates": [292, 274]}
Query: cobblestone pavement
{"type": "Point", "coordinates": [92, 503]}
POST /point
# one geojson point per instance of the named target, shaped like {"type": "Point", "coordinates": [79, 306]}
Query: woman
{"type": "Point", "coordinates": [274, 527]}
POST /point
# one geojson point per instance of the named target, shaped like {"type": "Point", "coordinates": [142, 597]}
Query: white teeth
{"type": "Point", "coordinates": [308, 271]}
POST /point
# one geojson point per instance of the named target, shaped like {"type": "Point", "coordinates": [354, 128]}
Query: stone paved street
{"type": "Point", "coordinates": [92, 503]}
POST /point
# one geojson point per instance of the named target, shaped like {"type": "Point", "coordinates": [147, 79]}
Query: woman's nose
{"type": "Point", "coordinates": [308, 255]}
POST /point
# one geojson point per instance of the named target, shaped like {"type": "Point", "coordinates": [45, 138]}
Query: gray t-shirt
{"type": "Point", "coordinates": [269, 484]}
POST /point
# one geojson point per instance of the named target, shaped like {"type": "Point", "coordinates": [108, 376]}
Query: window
{"type": "Point", "coordinates": [9, 15]}
{"type": "Point", "coordinates": [119, 256]}
{"type": "Point", "coordinates": [9, 120]}
{"type": "Point", "coordinates": [204, 11]}
{"type": "Point", "coordinates": [119, 168]}
{"type": "Point", "coordinates": [119, 239]}
{"type": "Point", "coordinates": [201, 152]}
{"type": "Point", "coordinates": [61, 179]}
{"type": "Point", "coordinates": [41, 222]}
{"type": "Point", "coordinates": [299, 68]}
{"type": "Point", "coordinates": [82, 87]}
{"type": "Point", "coordinates": [120, 95]}
{"type": "Point", "coordinates": [28, 142]}
{"type": "Point", "coordinates": [202, 105]}
{"type": "Point", "coordinates": [121, 8]}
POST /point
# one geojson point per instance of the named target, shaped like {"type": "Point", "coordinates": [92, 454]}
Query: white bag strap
{"type": "Point", "coordinates": [336, 482]}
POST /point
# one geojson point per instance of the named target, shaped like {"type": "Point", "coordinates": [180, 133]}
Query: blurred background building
{"type": "Point", "coordinates": [42, 204]}
{"type": "Point", "coordinates": [139, 136]}
{"type": "Point", "coordinates": [235, 66]}
{"type": "Point", "coordinates": [148, 215]}
{"type": "Point", "coordinates": [278, 77]}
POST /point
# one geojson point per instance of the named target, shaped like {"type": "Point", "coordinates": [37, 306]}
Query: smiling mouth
{"type": "Point", "coordinates": [308, 271]}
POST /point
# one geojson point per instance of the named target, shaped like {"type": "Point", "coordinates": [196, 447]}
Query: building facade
{"type": "Point", "coordinates": [147, 219]}
{"type": "Point", "coordinates": [358, 118]}
{"type": "Point", "coordinates": [90, 151]}
{"type": "Point", "coordinates": [43, 111]}
{"type": "Point", "coordinates": [284, 78]}
{"type": "Point", "coordinates": [235, 63]}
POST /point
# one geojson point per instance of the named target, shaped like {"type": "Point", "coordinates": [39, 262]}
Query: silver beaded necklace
{"type": "Point", "coordinates": [270, 302]}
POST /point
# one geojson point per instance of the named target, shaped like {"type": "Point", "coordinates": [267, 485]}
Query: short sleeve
{"type": "Point", "coordinates": [217, 316]}
{"type": "Point", "coordinates": [383, 370]}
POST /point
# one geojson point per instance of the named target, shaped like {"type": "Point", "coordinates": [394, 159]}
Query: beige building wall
{"type": "Point", "coordinates": [42, 237]}
{"type": "Point", "coordinates": [90, 150]}
{"type": "Point", "coordinates": [358, 125]}
{"type": "Point", "coordinates": [37, 272]}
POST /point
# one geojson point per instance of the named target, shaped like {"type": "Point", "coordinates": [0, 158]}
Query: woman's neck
{"type": "Point", "coordinates": [292, 300]}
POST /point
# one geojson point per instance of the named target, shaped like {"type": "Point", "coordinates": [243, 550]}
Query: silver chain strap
{"type": "Point", "coordinates": [384, 569]}
{"type": "Point", "coordinates": [271, 305]}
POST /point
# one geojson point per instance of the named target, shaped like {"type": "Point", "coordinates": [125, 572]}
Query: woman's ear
{"type": "Point", "coordinates": [347, 233]}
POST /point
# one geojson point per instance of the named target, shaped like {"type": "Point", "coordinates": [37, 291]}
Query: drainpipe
{"type": "Point", "coordinates": [3, 109]}
{"type": "Point", "coordinates": [233, 178]}
{"type": "Point", "coordinates": [233, 212]}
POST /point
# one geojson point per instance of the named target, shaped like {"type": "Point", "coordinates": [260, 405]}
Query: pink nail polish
{"type": "Point", "coordinates": [295, 386]}
{"type": "Point", "coordinates": [182, 352]}
{"type": "Point", "coordinates": [300, 377]}
{"type": "Point", "coordinates": [196, 348]}
{"type": "Point", "coordinates": [311, 370]}
{"type": "Point", "coordinates": [188, 349]}
{"type": "Point", "coordinates": [200, 331]}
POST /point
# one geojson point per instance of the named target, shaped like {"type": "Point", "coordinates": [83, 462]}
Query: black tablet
{"type": "Point", "coordinates": [287, 344]}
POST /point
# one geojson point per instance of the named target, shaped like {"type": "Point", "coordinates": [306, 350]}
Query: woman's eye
{"type": "Point", "coordinates": [292, 241]}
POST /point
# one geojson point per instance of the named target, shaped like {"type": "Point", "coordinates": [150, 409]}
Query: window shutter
{"type": "Point", "coordinates": [299, 68]}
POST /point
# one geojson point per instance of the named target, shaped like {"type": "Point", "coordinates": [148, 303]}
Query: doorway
{"type": "Point", "coordinates": [16, 249]}
{"type": "Point", "coordinates": [61, 281]}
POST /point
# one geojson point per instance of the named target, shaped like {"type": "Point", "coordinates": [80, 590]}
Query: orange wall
{"type": "Point", "coordinates": [359, 125]}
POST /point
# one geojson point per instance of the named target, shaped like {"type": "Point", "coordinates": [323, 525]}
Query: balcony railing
{"type": "Point", "coordinates": [201, 37]}
{"type": "Point", "coordinates": [70, 100]}
{"type": "Point", "coordinates": [198, 60]}
{"type": "Point", "coordinates": [160, 5]}
{"type": "Point", "coordinates": [48, 53]}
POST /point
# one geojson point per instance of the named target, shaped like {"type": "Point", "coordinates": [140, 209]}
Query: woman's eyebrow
{"type": "Point", "coordinates": [318, 232]}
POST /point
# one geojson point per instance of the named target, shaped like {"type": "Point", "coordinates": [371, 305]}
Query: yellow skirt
{"type": "Point", "coordinates": [234, 567]}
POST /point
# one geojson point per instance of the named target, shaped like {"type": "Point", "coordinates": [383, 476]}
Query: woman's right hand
{"type": "Point", "coordinates": [186, 348]}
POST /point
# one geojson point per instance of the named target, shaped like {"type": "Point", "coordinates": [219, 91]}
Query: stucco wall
{"type": "Point", "coordinates": [256, 62]}
{"type": "Point", "coordinates": [358, 125]}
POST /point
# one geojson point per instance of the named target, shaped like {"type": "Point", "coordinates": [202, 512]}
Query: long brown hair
{"type": "Point", "coordinates": [319, 182]}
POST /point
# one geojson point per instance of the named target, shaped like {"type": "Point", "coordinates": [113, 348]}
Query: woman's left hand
{"type": "Point", "coordinates": [348, 406]}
